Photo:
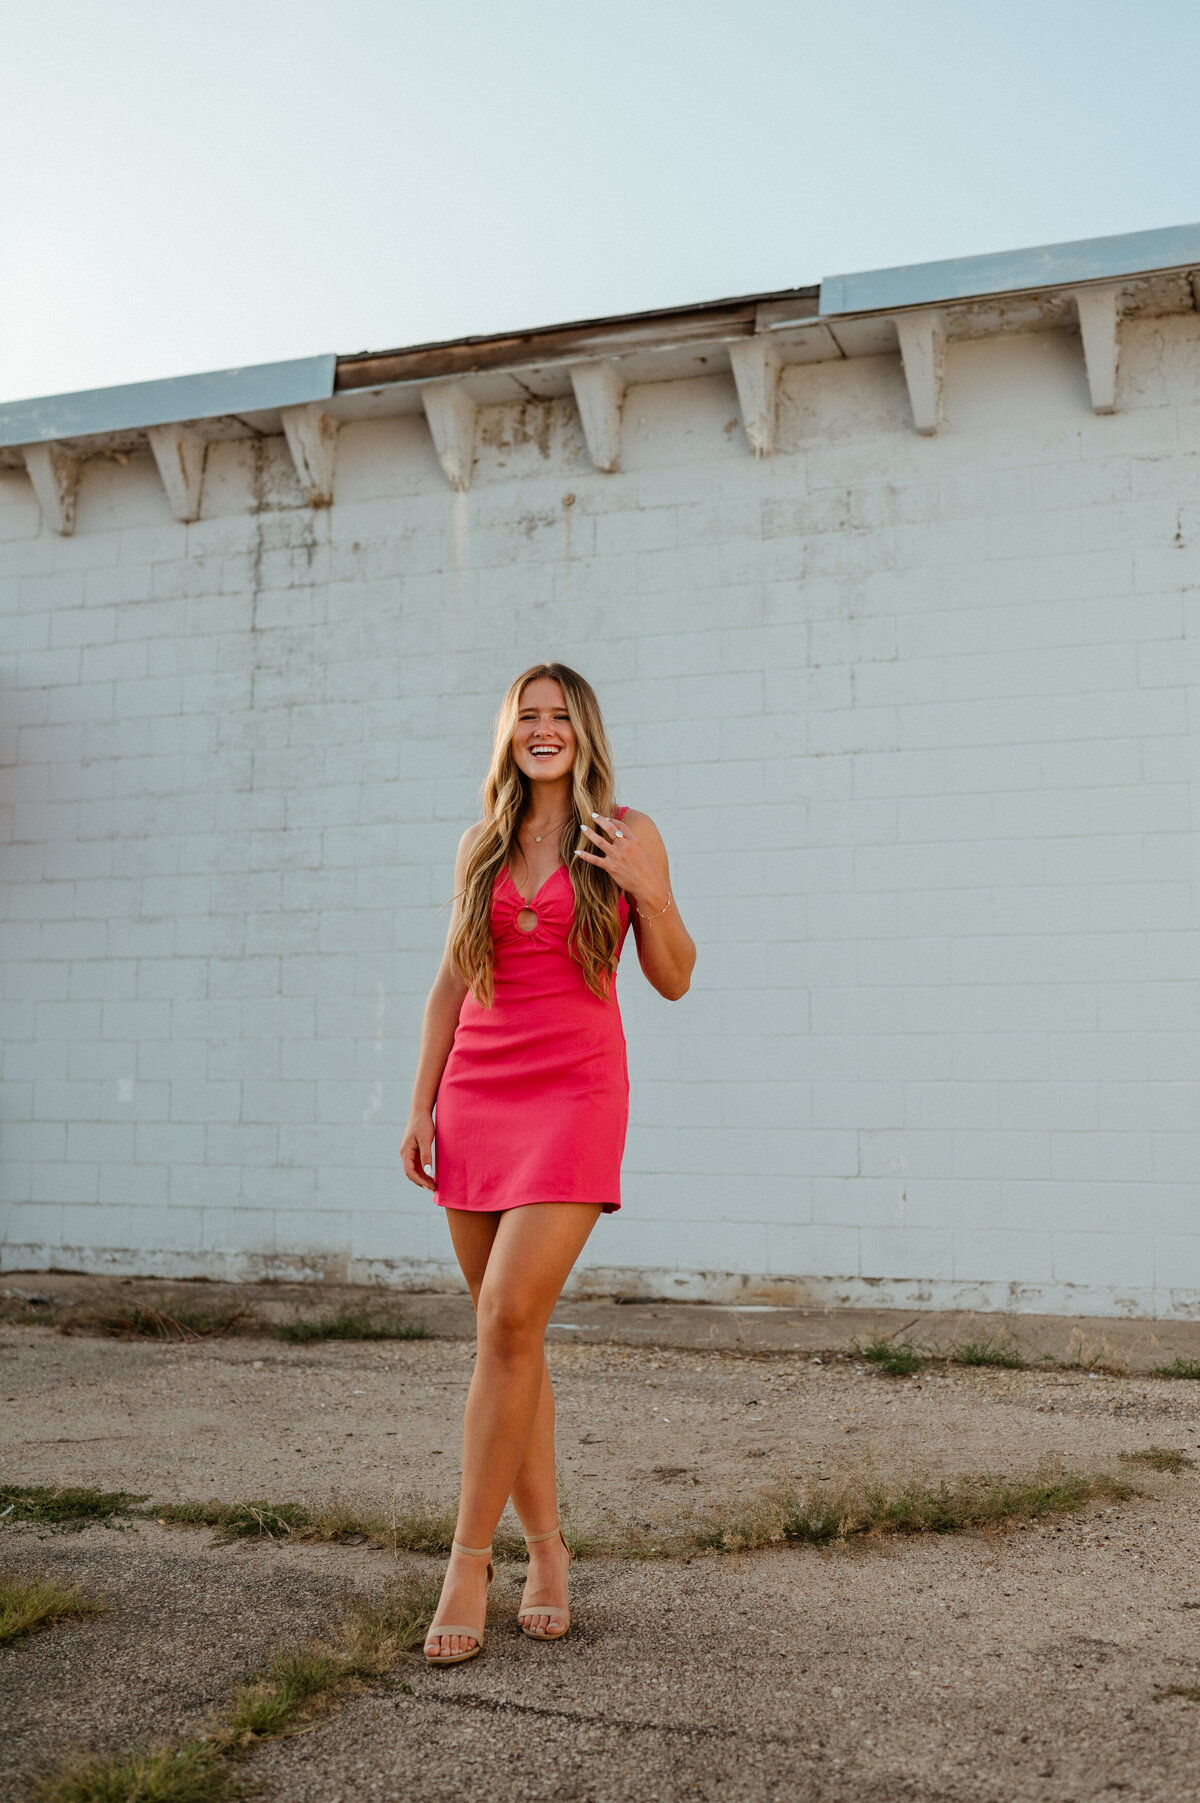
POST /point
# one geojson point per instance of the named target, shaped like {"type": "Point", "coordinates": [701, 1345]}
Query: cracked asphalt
{"type": "Point", "coordinates": [1031, 1664]}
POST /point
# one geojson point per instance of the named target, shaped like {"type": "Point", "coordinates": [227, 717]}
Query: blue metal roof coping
{"type": "Point", "coordinates": [1012, 271]}
{"type": "Point", "coordinates": [255, 388]}
{"type": "Point", "coordinates": [266, 387]}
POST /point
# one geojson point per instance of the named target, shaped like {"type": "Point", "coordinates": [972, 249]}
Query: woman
{"type": "Point", "coordinates": [523, 1052]}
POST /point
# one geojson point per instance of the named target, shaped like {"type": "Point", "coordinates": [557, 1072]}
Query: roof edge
{"type": "Point", "coordinates": [254, 388]}
{"type": "Point", "coordinates": [268, 387]}
{"type": "Point", "coordinates": [613, 332]}
{"type": "Point", "coordinates": [1009, 272]}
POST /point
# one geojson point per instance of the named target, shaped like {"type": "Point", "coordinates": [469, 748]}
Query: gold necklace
{"type": "Point", "coordinates": [538, 837]}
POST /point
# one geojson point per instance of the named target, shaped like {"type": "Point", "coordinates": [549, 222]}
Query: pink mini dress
{"type": "Point", "coordinates": [533, 1103]}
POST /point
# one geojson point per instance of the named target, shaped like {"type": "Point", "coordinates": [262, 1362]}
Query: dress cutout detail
{"type": "Point", "coordinates": [533, 1104]}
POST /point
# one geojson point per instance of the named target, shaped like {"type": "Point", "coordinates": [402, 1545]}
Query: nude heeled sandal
{"type": "Point", "coordinates": [440, 1630]}
{"type": "Point", "coordinates": [562, 1614]}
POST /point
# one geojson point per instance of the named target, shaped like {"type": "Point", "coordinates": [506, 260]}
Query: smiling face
{"type": "Point", "coordinates": [543, 742]}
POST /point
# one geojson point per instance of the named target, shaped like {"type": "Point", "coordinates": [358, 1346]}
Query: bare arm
{"type": "Point", "coordinates": [442, 1010]}
{"type": "Point", "coordinates": [634, 853]}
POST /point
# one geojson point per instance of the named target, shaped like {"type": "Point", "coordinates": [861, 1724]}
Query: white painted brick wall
{"type": "Point", "coordinates": [917, 717]}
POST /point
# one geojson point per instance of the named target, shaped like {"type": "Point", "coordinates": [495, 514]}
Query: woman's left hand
{"type": "Point", "coordinates": [625, 858]}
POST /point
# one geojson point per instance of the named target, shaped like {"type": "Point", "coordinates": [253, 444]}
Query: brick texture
{"type": "Point", "coordinates": [917, 718]}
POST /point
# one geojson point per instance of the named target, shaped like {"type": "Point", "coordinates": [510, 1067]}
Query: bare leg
{"type": "Point", "coordinates": [535, 1498]}
{"type": "Point", "coordinates": [526, 1255]}
{"type": "Point", "coordinates": [535, 1490]}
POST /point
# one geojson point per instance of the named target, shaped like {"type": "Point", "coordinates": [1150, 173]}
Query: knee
{"type": "Point", "coordinates": [507, 1330]}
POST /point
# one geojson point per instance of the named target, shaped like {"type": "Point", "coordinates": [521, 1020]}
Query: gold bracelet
{"type": "Point", "coordinates": [662, 910]}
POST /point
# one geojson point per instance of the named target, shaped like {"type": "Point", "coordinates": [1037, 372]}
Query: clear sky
{"type": "Point", "coordinates": [193, 185]}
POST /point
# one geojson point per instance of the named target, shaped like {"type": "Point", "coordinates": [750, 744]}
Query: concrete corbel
{"type": "Point", "coordinates": [179, 455]}
{"type": "Point", "coordinates": [312, 439]}
{"type": "Point", "coordinates": [55, 477]}
{"type": "Point", "coordinates": [599, 394]}
{"type": "Point", "coordinates": [452, 418]}
{"type": "Point", "coordinates": [755, 364]}
{"type": "Point", "coordinates": [923, 352]}
{"type": "Point", "coordinates": [1099, 321]}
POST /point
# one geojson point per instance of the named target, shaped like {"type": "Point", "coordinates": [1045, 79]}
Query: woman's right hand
{"type": "Point", "coordinates": [416, 1150]}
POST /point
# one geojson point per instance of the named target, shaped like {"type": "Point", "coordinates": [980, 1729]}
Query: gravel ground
{"type": "Point", "coordinates": [1011, 1666]}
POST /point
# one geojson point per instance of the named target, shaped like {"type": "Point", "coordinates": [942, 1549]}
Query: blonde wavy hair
{"type": "Point", "coordinates": [596, 932]}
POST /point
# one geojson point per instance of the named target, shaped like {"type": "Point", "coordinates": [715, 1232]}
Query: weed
{"type": "Point", "coordinates": [812, 1516]}
{"type": "Point", "coordinates": [1161, 1458]}
{"type": "Point", "coordinates": [1082, 1355]}
{"type": "Point", "coordinates": [1178, 1368]}
{"type": "Point", "coordinates": [29, 1603]}
{"type": "Point", "coordinates": [815, 1517]}
{"type": "Point", "coordinates": [984, 1502]}
{"type": "Point", "coordinates": [414, 1527]}
{"type": "Point", "coordinates": [895, 1358]}
{"type": "Point", "coordinates": [350, 1326]}
{"type": "Point", "coordinates": [986, 1352]}
{"type": "Point", "coordinates": [67, 1506]}
{"type": "Point", "coordinates": [374, 1636]}
{"type": "Point", "coordinates": [190, 1772]}
{"type": "Point", "coordinates": [298, 1682]}
{"type": "Point", "coordinates": [1097, 1366]}
{"type": "Point", "coordinates": [143, 1321]}
{"type": "Point", "coordinates": [267, 1704]}
{"type": "Point", "coordinates": [26, 1308]}
{"type": "Point", "coordinates": [236, 1521]}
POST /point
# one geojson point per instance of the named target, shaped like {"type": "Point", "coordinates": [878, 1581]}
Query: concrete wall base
{"type": "Point", "coordinates": [634, 1283]}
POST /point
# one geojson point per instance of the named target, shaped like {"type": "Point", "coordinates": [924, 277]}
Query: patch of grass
{"type": "Point", "coordinates": [270, 1702]}
{"type": "Point", "coordinates": [1161, 1458]}
{"type": "Point", "coordinates": [351, 1326]}
{"type": "Point", "coordinates": [983, 1502]}
{"type": "Point", "coordinates": [186, 1772]}
{"type": "Point", "coordinates": [269, 1521]}
{"type": "Point", "coordinates": [1099, 1366]}
{"type": "Point", "coordinates": [298, 1682]}
{"type": "Point", "coordinates": [895, 1358]}
{"type": "Point", "coordinates": [817, 1517]}
{"type": "Point", "coordinates": [143, 1321]}
{"type": "Point", "coordinates": [66, 1506]}
{"type": "Point", "coordinates": [29, 1603]}
{"type": "Point", "coordinates": [26, 1308]}
{"type": "Point", "coordinates": [1178, 1368]}
{"type": "Point", "coordinates": [239, 1521]}
{"type": "Point", "coordinates": [814, 1516]}
{"type": "Point", "coordinates": [374, 1637]}
{"type": "Point", "coordinates": [1004, 1353]}
{"type": "Point", "coordinates": [411, 1527]}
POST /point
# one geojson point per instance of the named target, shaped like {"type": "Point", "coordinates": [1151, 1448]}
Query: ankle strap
{"type": "Point", "coordinates": [532, 1539]}
{"type": "Point", "coordinates": [479, 1552]}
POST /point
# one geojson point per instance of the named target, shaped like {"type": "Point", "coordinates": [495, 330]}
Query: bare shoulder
{"type": "Point", "coordinates": [465, 847]}
{"type": "Point", "coordinates": [643, 826]}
